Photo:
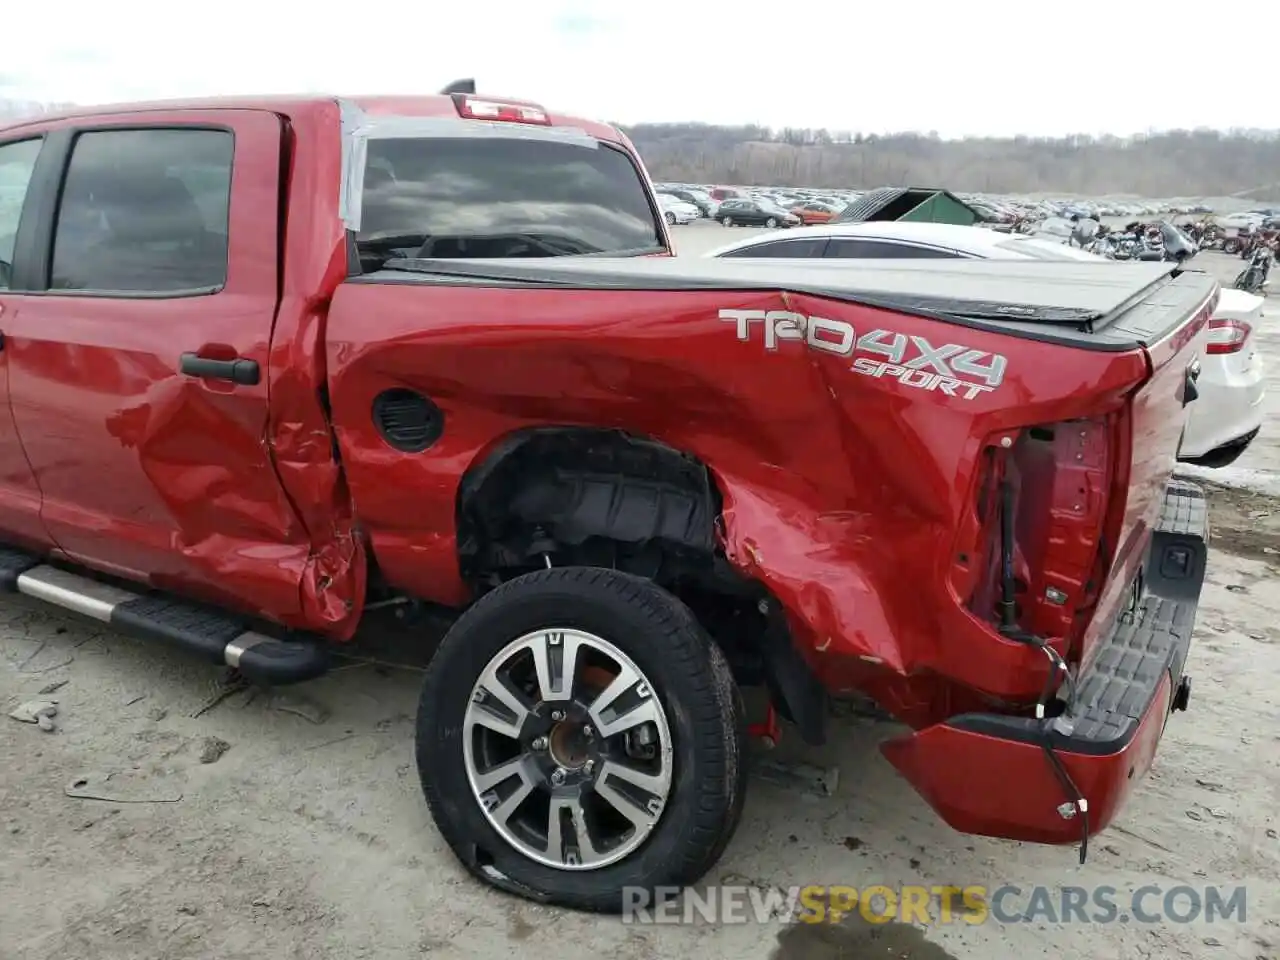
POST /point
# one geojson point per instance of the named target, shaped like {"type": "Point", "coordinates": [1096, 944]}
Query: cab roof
{"type": "Point", "coordinates": [432, 105]}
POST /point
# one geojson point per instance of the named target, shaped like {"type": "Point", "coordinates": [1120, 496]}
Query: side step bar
{"type": "Point", "coordinates": [213, 635]}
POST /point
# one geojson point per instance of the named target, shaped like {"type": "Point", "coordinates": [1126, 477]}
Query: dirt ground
{"type": "Point", "coordinates": [242, 824]}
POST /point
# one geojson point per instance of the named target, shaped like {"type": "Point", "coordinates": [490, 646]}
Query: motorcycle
{"type": "Point", "coordinates": [1150, 245]}
{"type": "Point", "coordinates": [1234, 244]}
{"type": "Point", "coordinates": [1254, 241]}
{"type": "Point", "coordinates": [1211, 240]}
{"type": "Point", "coordinates": [1103, 246]}
{"type": "Point", "coordinates": [1124, 246]}
{"type": "Point", "coordinates": [1254, 277]}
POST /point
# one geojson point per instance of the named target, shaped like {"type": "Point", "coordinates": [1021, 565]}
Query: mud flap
{"type": "Point", "coordinates": [797, 693]}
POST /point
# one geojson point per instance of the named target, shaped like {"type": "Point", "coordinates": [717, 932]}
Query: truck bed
{"type": "Point", "coordinates": [1103, 306]}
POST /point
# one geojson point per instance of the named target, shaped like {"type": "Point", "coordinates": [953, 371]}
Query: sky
{"type": "Point", "coordinates": [978, 67]}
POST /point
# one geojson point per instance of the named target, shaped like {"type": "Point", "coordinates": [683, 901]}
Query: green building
{"type": "Point", "coordinates": [915, 204]}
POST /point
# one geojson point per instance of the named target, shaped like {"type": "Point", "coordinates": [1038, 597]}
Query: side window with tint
{"type": "Point", "coordinates": [144, 211]}
{"type": "Point", "coordinates": [782, 248]}
{"type": "Point", "coordinates": [885, 250]}
{"type": "Point", "coordinates": [17, 164]}
{"type": "Point", "coordinates": [847, 249]}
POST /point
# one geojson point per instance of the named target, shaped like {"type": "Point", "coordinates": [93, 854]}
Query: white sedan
{"type": "Point", "coordinates": [1230, 383]}
{"type": "Point", "coordinates": [1228, 414]}
{"type": "Point", "coordinates": [675, 210]}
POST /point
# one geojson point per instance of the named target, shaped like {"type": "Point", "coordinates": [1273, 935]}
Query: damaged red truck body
{"type": "Point", "coordinates": [271, 365]}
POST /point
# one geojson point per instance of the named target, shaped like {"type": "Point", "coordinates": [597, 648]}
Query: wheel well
{"type": "Point", "coordinates": [570, 496]}
{"type": "Point", "coordinates": [586, 495]}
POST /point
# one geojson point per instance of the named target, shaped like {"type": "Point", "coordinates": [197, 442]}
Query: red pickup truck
{"type": "Point", "coordinates": [270, 364]}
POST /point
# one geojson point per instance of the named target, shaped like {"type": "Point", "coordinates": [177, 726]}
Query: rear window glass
{"type": "Point", "coordinates": [804, 249]}
{"type": "Point", "coordinates": [500, 197]}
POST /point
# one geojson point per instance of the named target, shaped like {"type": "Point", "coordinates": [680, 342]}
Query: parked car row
{"type": "Point", "coordinates": [1248, 221]}
{"type": "Point", "coordinates": [814, 205]}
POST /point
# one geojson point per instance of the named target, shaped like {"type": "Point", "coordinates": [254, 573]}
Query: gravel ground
{"type": "Point", "coordinates": [282, 826]}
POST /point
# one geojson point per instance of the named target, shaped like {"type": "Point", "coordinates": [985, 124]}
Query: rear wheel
{"type": "Point", "coordinates": [771, 222]}
{"type": "Point", "coordinates": [579, 734]}
{"type": "Point", "coordinates": [1231, 245]}
{"type": "Point", "coordinates": [670, 218]}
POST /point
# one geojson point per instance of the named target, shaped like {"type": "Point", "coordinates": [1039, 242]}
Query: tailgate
{"type": "Point", "coordinates": [1171, 323]}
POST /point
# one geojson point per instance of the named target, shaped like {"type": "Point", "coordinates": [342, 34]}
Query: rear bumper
{"type": "Point", "coordinates": [995, 775]}
{"type": "Point", "coordinates": [1228, 409]}
{"type": "Point", "coordinates": [1225, 454]}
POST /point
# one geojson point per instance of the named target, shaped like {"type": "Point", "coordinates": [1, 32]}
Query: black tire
{"type": "Point", "coordinates": [1231, 246]}
{"type": "Point", "coordinates": [688, 674]}
{"type": "Point", "coordinates": [670, 218]}
{"type": "Point", "coordinates": [727, 221]}
{"type": "Point", "coordinates": [771, 223]}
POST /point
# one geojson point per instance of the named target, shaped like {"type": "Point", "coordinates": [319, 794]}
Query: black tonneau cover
{"type": "Point", "coordinates": [1117, 304]}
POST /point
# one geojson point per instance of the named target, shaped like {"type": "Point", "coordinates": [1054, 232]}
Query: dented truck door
{"type": "Point", "coordinates": [138, 369]}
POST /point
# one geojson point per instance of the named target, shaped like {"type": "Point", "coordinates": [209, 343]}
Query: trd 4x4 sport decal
{"type": "Point", "coordinates": [952, 368]}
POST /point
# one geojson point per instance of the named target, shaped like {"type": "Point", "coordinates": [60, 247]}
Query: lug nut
{"type": "Point", "coordinates": [539, 743]}
{"type": "Point", "coordinates": [557, 777]}
{"type": "Point", "coordinates": [557, 715]}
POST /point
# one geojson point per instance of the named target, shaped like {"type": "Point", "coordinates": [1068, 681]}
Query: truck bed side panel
{"type": "Point", "coordinates": [842, 489]}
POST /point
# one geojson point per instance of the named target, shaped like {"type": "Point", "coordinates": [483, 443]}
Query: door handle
{"type": "Point", "coordinates": [238, 370]}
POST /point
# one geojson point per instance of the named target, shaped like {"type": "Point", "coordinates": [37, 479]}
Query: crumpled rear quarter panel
{"type": "Point", "coordinates": [841, 492]}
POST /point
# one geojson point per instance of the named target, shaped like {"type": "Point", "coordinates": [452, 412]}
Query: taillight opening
{"type": "Point", "coordinates": [480, 108]}
{"type": "Point", "coordinates": [1041, 511]}
{"type": "Point", "coordinates": [1227, 336]}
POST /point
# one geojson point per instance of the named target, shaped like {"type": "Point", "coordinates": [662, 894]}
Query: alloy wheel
{"type": "Point", "coordinates": [567, 750]}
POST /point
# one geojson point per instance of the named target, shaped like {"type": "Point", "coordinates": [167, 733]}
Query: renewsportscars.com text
{"type": "Point", "coordinates": [935, 905]}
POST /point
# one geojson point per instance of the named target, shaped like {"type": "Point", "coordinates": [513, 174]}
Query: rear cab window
{"type": "Point", "coordinates": [501, 195]}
